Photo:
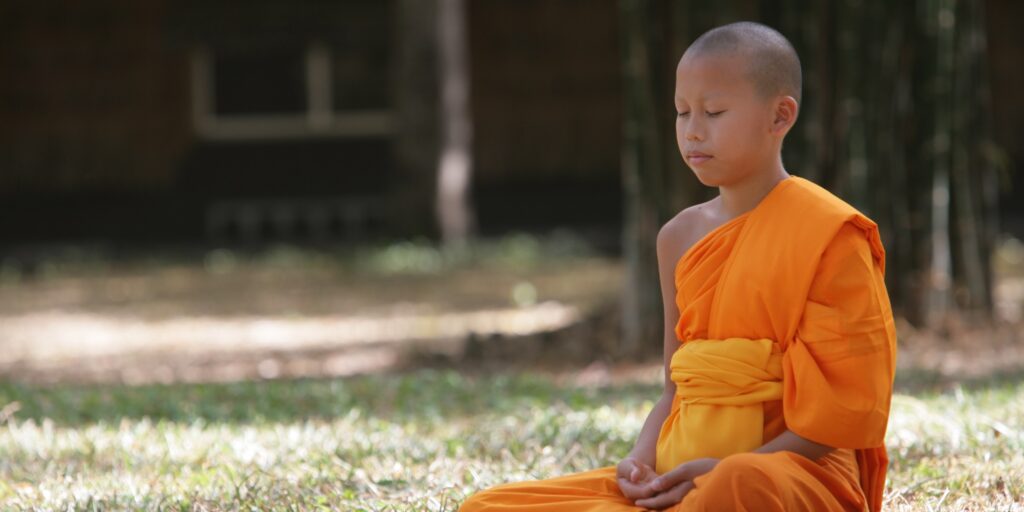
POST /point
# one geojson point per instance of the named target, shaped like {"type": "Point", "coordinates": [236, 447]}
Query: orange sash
{"type": "Point", "coordinates": [720, 388]}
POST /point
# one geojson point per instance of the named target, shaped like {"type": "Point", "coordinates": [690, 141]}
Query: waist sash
{"type": "Point", "coordinates": [718, 410]}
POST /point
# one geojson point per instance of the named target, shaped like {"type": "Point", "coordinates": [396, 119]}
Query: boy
{"type": "Point", "coordinates": [779, 337]}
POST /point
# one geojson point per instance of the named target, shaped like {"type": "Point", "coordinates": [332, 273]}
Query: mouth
{"type": "Point", "coordinates": [696, 157]}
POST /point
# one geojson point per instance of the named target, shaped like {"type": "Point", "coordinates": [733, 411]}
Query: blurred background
{"type": "Point", "coordinates": [213, 190]}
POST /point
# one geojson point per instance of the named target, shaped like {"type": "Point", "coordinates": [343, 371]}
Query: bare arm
{"type": "Point", "coordinates": [790, 441]}
{"type": "Point", "coordinates": [646, 444]}
{"type": "Point", "coordinates": [670, 248]}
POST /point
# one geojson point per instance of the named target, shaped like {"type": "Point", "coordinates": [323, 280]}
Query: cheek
{"type": "Point", "coordinates": [759, 125]}
{"type": "Point", "coordinates": [743, 135]}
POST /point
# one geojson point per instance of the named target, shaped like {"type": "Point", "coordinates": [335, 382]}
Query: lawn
{"type": "Point", "coordinates": [424, 440]}
{"type": "Point", "coordinates": [405, 440]}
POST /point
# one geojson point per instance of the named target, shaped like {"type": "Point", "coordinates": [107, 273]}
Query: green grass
{"type": "Point", "coordinates": [421, 441]}
{"type": "Point", "coordinates": [376, 258]}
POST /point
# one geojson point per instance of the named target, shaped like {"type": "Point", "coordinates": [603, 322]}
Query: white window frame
{"type": "Point", "coordinates": [319, 120]}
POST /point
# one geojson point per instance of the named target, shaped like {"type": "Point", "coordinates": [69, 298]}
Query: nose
{"type": "Point", "coordinates": [693, 131]}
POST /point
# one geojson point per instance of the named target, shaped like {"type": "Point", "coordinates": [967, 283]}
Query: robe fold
{"type": "Point", "coordinates": [721, 386]}
{"type": "Point", "coordinates": [784, 323]}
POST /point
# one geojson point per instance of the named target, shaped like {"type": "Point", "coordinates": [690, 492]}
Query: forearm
{"type": "Point", "coordinates": [645, 449]}
{"type": "Point", "coordinates": [792, 442]}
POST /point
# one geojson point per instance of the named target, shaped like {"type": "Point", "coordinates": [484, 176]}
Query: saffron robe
{"type": "Point", "coordinates": [800, 278]}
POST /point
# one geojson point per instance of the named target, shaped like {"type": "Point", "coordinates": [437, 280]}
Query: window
{"type": "Point", "coordinates": [314, 91]}
{"type": "Point", "coordinates": [263, 83]}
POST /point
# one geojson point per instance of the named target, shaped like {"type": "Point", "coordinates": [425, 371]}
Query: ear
{"type": "Point", "coordinates": [784, 115]}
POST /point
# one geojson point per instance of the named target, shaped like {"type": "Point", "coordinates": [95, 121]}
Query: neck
{"type": "Point", "coordinates": [743, 195]}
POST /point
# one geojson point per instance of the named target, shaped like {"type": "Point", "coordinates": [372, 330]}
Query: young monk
{"type": "Point", "coordinates": [779, 336]}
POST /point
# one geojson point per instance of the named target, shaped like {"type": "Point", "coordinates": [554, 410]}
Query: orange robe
{"type": "Point", "coordinates": [793, 293]}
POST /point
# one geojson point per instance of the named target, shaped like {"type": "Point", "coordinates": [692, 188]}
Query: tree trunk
{"type": "Point", "coordinates": [642, 168]}
{"type": "Point", "coordinates": [454, 212]}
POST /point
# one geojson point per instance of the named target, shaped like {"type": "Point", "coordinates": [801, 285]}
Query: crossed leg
{"type": "Point", "coordinates": [780, 481]}
{"type": "Point", "coordinates": [770, 482]}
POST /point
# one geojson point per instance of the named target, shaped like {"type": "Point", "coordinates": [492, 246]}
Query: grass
{"type": "Point", "coordinates": [374, 258]}
{"type": "Point", "coordinates": [407, 442]}
{"type": "Point", "coordinates": [421, 441]}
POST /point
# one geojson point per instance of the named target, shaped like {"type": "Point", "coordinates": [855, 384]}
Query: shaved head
{"type": "Point", "coordinates": [772, 63]}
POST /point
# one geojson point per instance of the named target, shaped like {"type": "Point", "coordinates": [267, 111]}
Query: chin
{"type": "Point", "coordinates": [708, 178]}
{"type": "Point", "coordinates": [717, 177]}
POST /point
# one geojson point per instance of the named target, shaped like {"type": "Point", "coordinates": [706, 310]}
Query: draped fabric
{"type": "Point", "coordinates": [721, 386]}
{"type": "Point", "coordinates": [795, 289]}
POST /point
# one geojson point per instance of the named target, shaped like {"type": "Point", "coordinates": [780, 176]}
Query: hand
{"type": "Point", "coordinates": [633, 478]}
{"type": "Point", "coordinates": [671, 487]}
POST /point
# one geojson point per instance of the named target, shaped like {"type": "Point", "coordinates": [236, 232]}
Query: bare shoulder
{"type": "Point", "coordinates": [684, 229]}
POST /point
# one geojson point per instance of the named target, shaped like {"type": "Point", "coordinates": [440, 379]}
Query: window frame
{"type": "Point", "coordinates": [319, 120]}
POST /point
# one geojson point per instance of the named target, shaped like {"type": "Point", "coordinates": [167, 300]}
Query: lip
{"type": "Point", "coordinates": [696, 157]}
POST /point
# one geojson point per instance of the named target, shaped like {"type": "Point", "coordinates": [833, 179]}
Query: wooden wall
{"type": "Point", "coordinates": [1006, 68]}
{"type": "Point", "coordinates": [545, 87]}
{"type": "Point", "coordinates": [95, 104]}
{"type": "Point", "coordinates": [91, 96]}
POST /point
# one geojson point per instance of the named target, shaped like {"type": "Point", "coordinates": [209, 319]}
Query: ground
{"type": "Point", "coordinates": [394, 437]}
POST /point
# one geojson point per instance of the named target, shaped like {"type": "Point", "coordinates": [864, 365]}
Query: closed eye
{"type": "Point", "coordinates": [682, 114]}
{"type": "Point", "coordinates": [715, 114]}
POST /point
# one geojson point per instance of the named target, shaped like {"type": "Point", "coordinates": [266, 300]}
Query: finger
{"type": "Point", "coordinates": [667, 498]}
{"type": "Point", "coordinates": [643, 475]}
{"type": "Point", "coordinates": [657, 502]}
{"type": "Point", "coordinates": [634, 475]}
{"type": "Point", "coordinates": [625, 468]}
{"type": "Point", "coordinates": [671, 478]}
{"type": "Point", "coordinates": [634, 491]}
{"type": "Point", "coordinates": [686, 488]}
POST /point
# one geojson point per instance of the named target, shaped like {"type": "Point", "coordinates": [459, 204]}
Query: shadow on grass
{"type": "Point", "coordinates": [426, 394]}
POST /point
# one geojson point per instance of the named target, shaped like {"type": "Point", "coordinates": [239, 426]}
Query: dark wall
{"type": "Point", "coordinates": [92, 97]}
{"type": "Point", "coordinates": [96, 134]}
{"type": "Point", "coordinates": [546, 110]}
{"type": "Point", "coordinates": [1005, 53]}
{"type": "Point", "coordinates": [96, 129]}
